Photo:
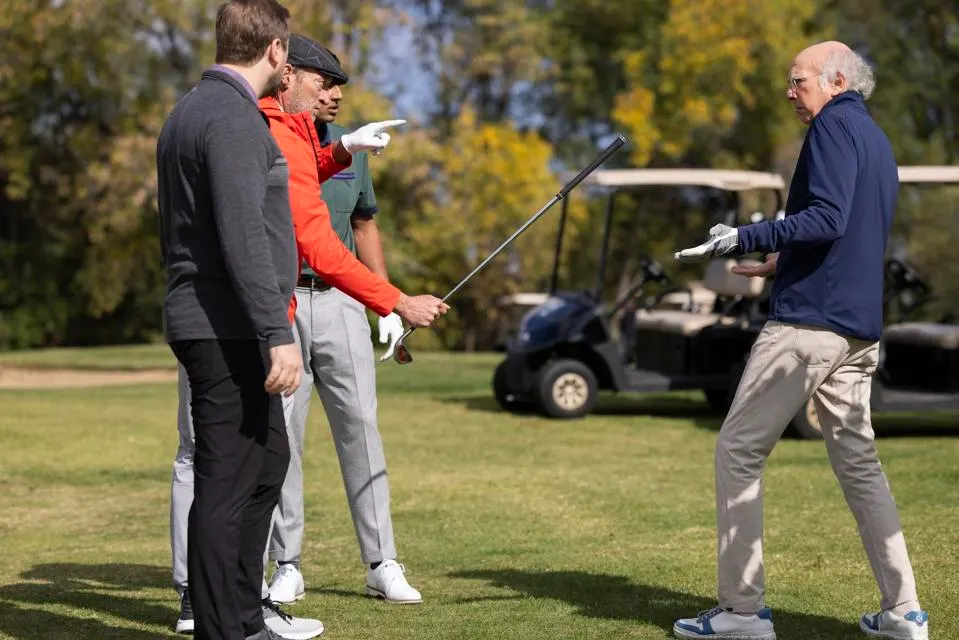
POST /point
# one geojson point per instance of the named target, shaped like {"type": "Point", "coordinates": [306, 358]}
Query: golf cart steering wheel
{"type": "Point", "coordinates": [903, 288]}
{"type": "Point", "coordinates": [653, 271]}
{"type": "Point", "coordinates": [650, 272]}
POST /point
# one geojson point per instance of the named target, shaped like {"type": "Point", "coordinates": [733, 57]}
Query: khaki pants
{"type": "Point", "coordinates": [788, 365]}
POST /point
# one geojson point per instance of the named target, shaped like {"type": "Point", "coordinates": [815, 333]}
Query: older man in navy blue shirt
{"type": "Point", "coordinates": [821, 341]}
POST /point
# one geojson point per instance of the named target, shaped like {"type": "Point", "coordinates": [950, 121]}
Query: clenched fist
{"type": "Point", "coordinates": [286, 367]}
{"type": "Point", "coordinates": [420, 311]}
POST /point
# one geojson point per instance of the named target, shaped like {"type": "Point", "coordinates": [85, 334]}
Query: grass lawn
{"type": "Point", "coordinates": [512, 527]}
{"type": "Point", "coordinates": [122, 358]}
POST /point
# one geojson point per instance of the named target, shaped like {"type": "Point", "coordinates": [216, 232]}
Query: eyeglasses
{"type": "Point", "coordinates": [794, 83]}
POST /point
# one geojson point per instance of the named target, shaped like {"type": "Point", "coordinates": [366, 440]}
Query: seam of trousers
{"type": "Point", "coordinates": [366, 419]}
{"type": "Point", "coordinates": [320, 383]}
{"type": "Point", "coordinates": [866, 532]}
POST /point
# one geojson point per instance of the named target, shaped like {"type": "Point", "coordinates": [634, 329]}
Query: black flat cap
{"type": "Point", "coordinates": [310, 54]}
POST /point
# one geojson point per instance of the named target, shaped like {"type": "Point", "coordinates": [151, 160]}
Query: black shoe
{"type": "Point", "coordinates": [185, 622]}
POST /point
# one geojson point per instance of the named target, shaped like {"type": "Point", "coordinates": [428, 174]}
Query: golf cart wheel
{"type": "Point", "coordinates": [567, 389]}
{"type": "Point", "coordinates": [507, 399]}
{"type": "Point", "coordinates": [806, 425]}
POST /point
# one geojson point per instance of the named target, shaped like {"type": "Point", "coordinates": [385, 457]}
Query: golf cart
{"type": "Point", "coordinates": [692, 336]}
{"type": "Point", "coordinates": [918, 361]}
{"type": "Point", "coordinates": [512, 309]}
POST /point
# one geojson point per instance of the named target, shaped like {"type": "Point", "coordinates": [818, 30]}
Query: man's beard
{"type": "Point", "coordinates": [273, 83]}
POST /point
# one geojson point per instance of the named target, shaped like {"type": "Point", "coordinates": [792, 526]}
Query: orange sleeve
{"type": "Point", "coordinates": [326, 164]}
{"type": "Point", "coordinates": [316, 242]}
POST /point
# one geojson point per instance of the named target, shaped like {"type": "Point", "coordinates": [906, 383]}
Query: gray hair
{"type": "Point", "coordinates": [853, 67]}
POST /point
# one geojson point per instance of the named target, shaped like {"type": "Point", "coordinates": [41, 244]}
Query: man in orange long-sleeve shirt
{"type": "Point", "coordinates": [310, 164]}
{"type": "Point", "coordinates": [334, 334]}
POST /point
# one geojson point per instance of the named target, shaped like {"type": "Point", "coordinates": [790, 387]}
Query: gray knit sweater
{"type": "Point", "coordinates": [225, 227]}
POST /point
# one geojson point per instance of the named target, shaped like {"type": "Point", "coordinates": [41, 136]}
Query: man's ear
{"type": "Point", "coordinates": [289, 77]}
{"type": "Point", "coordinates": [276, 53]}
{"type": "Point", "coordinates": [839, 84]}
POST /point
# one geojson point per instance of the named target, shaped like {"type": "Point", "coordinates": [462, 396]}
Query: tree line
{"type": "Point", "coordinates": [518, 91]}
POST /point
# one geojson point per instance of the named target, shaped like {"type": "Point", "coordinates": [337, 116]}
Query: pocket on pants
{"type": "Point", "coordinates": [817, 348]}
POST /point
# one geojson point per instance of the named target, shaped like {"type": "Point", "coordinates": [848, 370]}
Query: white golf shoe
{"type": "Point", "coordinates": [287, 585]}
{"type": "Point", "coordinates": [287, 626]}
{"type": "Point", "coordinates": [387, 582]}
{"type": "Point", "coordinates": [719, 623]}
{"type": "Point", "coordinates": [885, 624]}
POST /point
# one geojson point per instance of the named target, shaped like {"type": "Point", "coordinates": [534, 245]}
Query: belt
{"type": "Point", "coordinates": [313, 283]}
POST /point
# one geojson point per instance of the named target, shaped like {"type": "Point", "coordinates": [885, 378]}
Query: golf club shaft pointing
{"type": "Point", "coordinates": [569, 186]}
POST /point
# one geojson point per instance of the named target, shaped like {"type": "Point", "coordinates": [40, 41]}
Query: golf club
{"type": "Point", "coordinates": [401, 353]}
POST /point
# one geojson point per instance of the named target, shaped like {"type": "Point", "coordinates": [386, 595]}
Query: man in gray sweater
{"type": "Point", "coordinates": [231, 261]}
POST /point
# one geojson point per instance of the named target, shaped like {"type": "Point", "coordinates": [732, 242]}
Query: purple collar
{"type": "Point", "coordinates": [236, 76]}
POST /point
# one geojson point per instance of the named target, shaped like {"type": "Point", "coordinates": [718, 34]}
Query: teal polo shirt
{"type": "Point", "coordinates": [347, 194]}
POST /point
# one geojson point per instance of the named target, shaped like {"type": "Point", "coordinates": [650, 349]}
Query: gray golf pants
{"type": "Point", "coordinates": [334, 335]}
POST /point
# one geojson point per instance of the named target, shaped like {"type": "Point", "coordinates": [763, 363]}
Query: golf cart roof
{"type": "Point", "coordinates": [524, 299]}
{"type": "Point", "coordinates": [928, 174]}
{"type": "Point", "coordinates": [726, 179]}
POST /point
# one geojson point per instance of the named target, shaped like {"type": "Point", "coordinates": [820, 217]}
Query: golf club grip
{"type": "Point", "coordinates": [600, 159]}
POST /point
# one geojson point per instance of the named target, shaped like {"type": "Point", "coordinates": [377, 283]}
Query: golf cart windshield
{"type": "Point", "coordinates": [667, 206]}
{"type": "Point", "coordinates": [926, 233]}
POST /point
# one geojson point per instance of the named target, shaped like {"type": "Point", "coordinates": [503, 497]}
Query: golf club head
{"type": "Point", "coordinates": [401, 354]}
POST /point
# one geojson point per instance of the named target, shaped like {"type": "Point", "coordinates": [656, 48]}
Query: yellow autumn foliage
{"type": "Point", "coordinates": [489, 180]}
{"type": "Point", "coordinates": [716, 60]}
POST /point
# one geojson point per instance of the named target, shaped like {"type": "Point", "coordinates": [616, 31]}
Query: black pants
{"type": "Point", "coordinates": [242, 455]}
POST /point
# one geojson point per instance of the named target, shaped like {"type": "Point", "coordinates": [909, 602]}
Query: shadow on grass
{"type": "Point", "coordinates": [617, 598]}
{"type": "Point", "coordinates": [703, 416]}
{"type": "Point", "coordinates": [659, 405]}
{"type": "Point", "coordinates": [37, 624]}
{"type": "Point", "coordinates": [88, 588]}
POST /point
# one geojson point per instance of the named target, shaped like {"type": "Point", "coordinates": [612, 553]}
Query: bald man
{"type": "Point", "coordinates": [821, 341]}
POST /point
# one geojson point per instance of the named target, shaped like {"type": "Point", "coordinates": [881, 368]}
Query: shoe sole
{"type": "Point", "coordinates": [379, 595]}
{"type": "Point", "coordinates": [890, 635]}
{"type": "Point", "coordinates": [295, 599]}
{"type": "Point", "coordinates": [729, 635]}
{"type": "Point", "coordinates": [185, 626]}
{"type": "Point", "coordinates": [293, 635]}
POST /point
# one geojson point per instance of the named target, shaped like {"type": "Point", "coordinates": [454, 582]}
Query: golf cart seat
{"type": "Point", "coordinates": [722, 282]}
{"type": "Point", "coordinates": [696, 297]}
{"type": "Point", "coordinates": [926, 334]}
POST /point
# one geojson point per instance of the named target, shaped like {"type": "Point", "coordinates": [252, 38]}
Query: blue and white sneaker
{"type": "Point", "coordinates": [719, 623]}
{"type": "Point", "coordinates": [885, 624]}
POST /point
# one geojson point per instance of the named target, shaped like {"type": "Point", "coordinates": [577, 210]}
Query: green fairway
{"type": "Point", "coordinates": [512, 526]}
{"type": "Point", "coordinates": [121, 358]}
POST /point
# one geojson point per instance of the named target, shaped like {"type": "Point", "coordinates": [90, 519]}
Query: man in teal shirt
{"type": "Point", "coordinates": [334, 335]}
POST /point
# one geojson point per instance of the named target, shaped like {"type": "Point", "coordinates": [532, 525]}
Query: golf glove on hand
{"type": "Point", "coordinates": [369, 137]}
{"type": "Point", "coordinates": [723, 240]}
{"type": "Point", "coordinates": [391, 328]}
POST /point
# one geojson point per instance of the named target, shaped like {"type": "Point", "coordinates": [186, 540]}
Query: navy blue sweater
{"type": "Point", "coordinates": [832, 242]}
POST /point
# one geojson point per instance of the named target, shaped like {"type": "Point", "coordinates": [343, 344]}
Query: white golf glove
{"type": "Point", "coordinates": [369, 137]}
{"type": "Point", "coordinates": [391, 328]}
{"type": "Point", "coordinates": [723, 240]}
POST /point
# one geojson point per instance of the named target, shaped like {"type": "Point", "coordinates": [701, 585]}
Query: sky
{"type": "Point", "coordinates": [398, 71]}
